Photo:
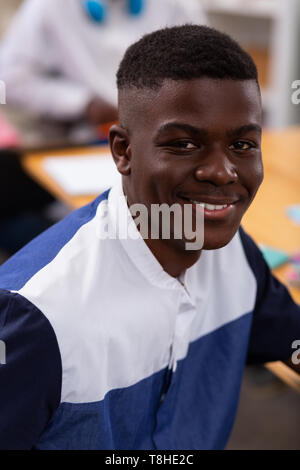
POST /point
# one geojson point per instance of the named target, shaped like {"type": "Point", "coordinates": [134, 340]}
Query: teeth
{"type": "Point", "coordinates": [210, 207]}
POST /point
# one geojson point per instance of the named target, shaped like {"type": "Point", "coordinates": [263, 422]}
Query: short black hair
{"type": "Point", "coordinates": [184, 53]}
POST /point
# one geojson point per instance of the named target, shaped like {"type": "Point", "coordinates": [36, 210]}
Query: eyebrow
{"type": "Point", "coordinates": [244, 129]}
{"type": "Point", "coordinates": [184, 127]}
{"type": "Point", "coordinates": [204, 133]}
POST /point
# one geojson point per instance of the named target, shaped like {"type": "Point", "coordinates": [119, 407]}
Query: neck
{"type": "Point", "coordinates": [170, 254]}
{"type": "Point", "coordinates": [172, 259]}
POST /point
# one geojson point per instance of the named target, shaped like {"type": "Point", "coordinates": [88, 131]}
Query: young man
{"type": "Point", "coordinates": [120, 342]}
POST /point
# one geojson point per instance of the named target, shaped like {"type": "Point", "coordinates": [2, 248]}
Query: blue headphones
{"type": "Point", "coordinates": [97, 9]}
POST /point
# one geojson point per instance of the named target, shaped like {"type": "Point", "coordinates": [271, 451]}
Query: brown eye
{"type": "Point", "coordinates": [241, 145]}
{"type": "Point", "coordinates": [185, 145]}
{"type": "Point", "coordinates": [189, 146]}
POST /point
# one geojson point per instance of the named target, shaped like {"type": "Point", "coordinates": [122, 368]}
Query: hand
{"type": "Point", "coordinates": [100, 111]}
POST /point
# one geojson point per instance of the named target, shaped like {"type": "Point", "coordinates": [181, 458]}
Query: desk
{"type": "Point", "coordinates": [33, 164]}
{"type": "Point", "coordinates": [265, 221]}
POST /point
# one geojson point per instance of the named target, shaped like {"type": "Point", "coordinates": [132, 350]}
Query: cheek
{"type": "Point", "coordinates": [150, 176]}
{"type": "Point", "coordinates": [257, 175]}
{"type": "Point", "coordinates": [252, 175]}
{"type": "Point", "coordinates": [170, 174]}
{"type": "Point", "coordinates": [157, 171]}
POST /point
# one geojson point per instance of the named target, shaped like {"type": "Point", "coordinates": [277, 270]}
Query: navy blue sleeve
{"type": "Point", "coordinates": [276, 317]}
{"type": "Point", "coordinates": [30, 372]}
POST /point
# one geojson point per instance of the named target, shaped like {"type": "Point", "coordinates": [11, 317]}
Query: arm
{"type": "Point", "coordinates": [30, 373]}
{"type": "Point", "coordinates": [276, 317]}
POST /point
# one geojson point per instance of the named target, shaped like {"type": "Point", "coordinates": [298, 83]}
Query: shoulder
{"type": "Point", "coordinates": [35, 256]}
{"type": "Point", "coordinates": [276, 319]}
{"type": "Point", "coordinates": [59, 278]}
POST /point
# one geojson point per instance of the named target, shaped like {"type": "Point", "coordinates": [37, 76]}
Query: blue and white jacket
{"type": "Point", "coordinates": [105, 350]}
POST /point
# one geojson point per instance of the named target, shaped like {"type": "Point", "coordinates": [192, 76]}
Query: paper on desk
{"type": "Point", "coordinates": [86, 174]}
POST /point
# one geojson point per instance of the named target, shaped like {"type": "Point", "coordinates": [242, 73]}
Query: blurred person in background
{"type": "Point", "coordinates": [59, 59]}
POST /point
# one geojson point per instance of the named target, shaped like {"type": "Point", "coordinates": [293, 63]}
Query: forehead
{"type": "Point", "coordinates": [206, 103]}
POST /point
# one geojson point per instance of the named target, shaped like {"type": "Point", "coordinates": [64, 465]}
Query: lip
{"type": "Point", "coordinates": [212, 214]}
{"type": "Point", "coordinates": [209, 200]}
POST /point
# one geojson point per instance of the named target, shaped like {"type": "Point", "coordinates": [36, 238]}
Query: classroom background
{"type": "Point", "coordinates": [50, 166]}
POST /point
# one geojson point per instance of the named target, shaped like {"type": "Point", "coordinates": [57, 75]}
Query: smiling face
{"type": "Point", "coordinates": [190, 142]}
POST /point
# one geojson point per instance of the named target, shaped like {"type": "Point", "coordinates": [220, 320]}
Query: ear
{"type": "Point", "coordinates": [120, 148]}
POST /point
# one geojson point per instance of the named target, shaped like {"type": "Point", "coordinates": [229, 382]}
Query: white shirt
{"type": "Point", "coordinates": [126, 293]}
{"type": "Point", "coordinates": [58, 36]}
{"type": "Point", "coordinates": [126, 356]}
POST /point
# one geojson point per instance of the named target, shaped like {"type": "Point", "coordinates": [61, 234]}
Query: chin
{"type": "Point", "coordinates": [215, 242]}
{"type": "Point", "coordinates": [214, 246]}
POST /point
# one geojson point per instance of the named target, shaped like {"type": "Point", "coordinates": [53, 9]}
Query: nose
{"type": "Point", "coordinates": [217, 168]}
